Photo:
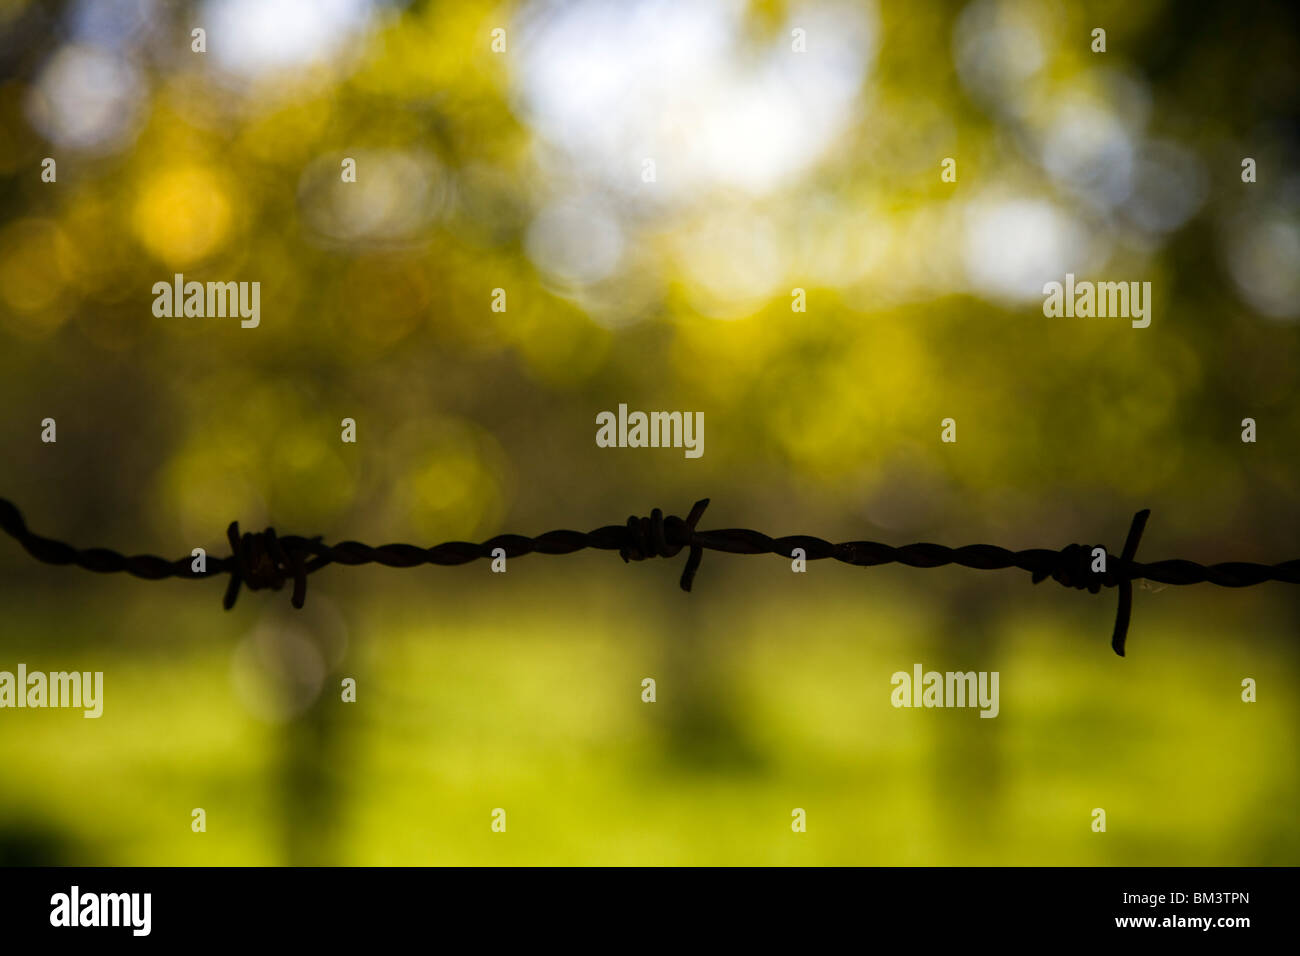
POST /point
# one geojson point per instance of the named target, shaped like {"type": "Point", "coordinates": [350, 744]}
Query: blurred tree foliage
{"type": "Point", "coordinates": [377, 294]}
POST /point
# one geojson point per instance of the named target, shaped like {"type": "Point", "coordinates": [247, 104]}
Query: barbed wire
{"type": "Point", "coordinates": [265, 560]}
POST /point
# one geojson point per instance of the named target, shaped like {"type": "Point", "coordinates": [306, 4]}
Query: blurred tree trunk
{"type": "Point", "coordinates": [967, 771]}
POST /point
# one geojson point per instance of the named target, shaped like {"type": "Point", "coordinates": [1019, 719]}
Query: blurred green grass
{"type": "Point", "coordinates": [523, 693]}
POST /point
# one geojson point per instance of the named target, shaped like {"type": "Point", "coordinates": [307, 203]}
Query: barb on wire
{"type": "Point", "coordinates": [267, 560]}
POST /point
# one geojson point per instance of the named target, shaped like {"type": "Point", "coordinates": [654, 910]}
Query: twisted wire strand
{"type": "Point", "coordinates": [265, 560]}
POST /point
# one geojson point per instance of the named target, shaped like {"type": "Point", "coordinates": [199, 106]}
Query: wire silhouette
{"type": "Point", "coordinates": [265, 560]}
